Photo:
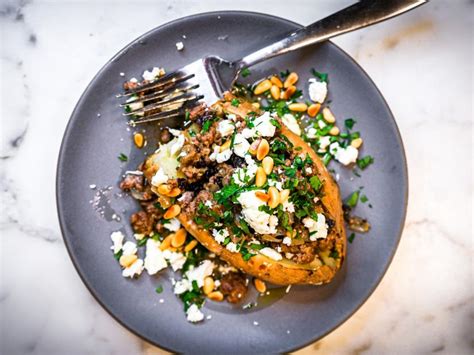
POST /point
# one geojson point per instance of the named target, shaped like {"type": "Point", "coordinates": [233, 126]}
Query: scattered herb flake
{"type": "Point", "coordinates": [349, 123]}
{"type": "Point", "coordinates": [351, 238]}
{"type": "Point", "coordinates": [235, 102]}
{"type": "Point", "coordinates": [245, 72]}
{"type": "Point", "coordinates": [364, 199]}
{"type": "Point", "coordinates": [352, 200]}
{"type": "Point", "coordinates": [122, 157]}
{"type": "Point", "coordinates": [364, 162]}
{"type": "Point", "coordinates": [321, 76]}
{"type": "Point", "coordinates": [159, 289]}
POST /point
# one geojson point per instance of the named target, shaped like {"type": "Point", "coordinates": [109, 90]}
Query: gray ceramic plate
{"type": "Point", "coordinates": [89, 156]}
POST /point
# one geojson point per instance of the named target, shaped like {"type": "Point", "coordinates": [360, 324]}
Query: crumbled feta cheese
{"type": "Point", "coordinates": [271, 253]}
{"type": "Point", "coordinates": [159, 178]}
{"type": "Point", "coordinates": [194, 315]}
{"type": "Point", "coordinates": [209, 317]}
{"type": "Point", "coordinates": [232, 247]}
{"type": "Point", "coordinates": [261, 222]}
{"type": "Point", "coordinates": [255, 323]}
{"type": "Point", "coordinates": [179, 46]}
{"type": "Point", "coordinates": [324, 142]}
{"type": "Point", "coordinates": [117, 238]}
{"type": "Point", "coordinates": [133, 80]}
{"type": "Point", "coordinates": [217, 283]}
{"type": "Point", "coordinates": [289, 255]}
{"type": "Point", "coordinates": [248, 132]}
{"type": "Point", "coordinates": [208, 204]}
{"type": "Point", "coordinates": [220, 235]}
{"type": "Point", "coordinates": [175, 259]}
{"type": "Point", "coordinates": [139, 236]}
{"type": "Point", "coordinates": [290, 121]}
{"type": "Point", "coordinates": [176, 145]}
{"type": "Point", "coordinates": [129, 248]}
{"type": "Point", "coordinates": [173, 225]}
{"type": "Point", "coordinates": [308, 170]}
{"type": "Point", "coordinates": [241, 145]}
{"type": "Point", "coordinates": [288, 206]}
{"type": "Point", "coordinates": [154, 259]}
{"type": "Point", "coordinates": [317, 229]}
{"type": "Point", "coordinates": [153, 74]}
{"type": "Point", "coordinates": [318, 90]}
{"type": "Point", "coordinates": [199, 273]}
{"type": "Point", "coordinates": [219, 156]}
{"type": "Point", "coordinates": [92, 186]}
{"type": "Point", "coordinates": [346, 155]}
{"type": "Point", "coordinates": [321, 124]}
{"type": "Point", "coordinates": [264, 126]}
{"type": "Point", "coordinates": [231, 116]}
{"type": "Point", "coordinates": [241, 176]}
{"type": "Point", "coordinates": [182, 286]}
{"type": "Point", "coordinates": [135, 269]}
{"type": "Point", "coordinates": [225, 128]}
{"type": "Point", "coordinates": [287, 241]}
{"type": "Point", "coordinates": [276, 184]}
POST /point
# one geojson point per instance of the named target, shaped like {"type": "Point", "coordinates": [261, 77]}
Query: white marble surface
{"type": "Point", "coordinates": [422, 63]}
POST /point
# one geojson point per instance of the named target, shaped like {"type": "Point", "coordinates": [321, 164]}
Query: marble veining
{"type": "Point", "coordinates": [422, 62]}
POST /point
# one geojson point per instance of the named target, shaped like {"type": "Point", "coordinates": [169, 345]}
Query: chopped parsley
{"type": "Point", "coordinates": [275, 123]}
{"type": "Point", "coordinates": [349, 123]}
{"type": "Point", "coordinates": [364, 199]}
{"type": "Point", "coordinates": [142, 241]}
{"type": "Point", "coordinates": [245, 72]}
{"type": "Point", "coordinates": [364, 162]}
{"type": "Point", "coordinates": [321, 76]}
{"type": "Point", "coordinates": [122, 157]}
{"type": "Point", "coordinates": [334, 254]}
{"type": "Point", "coordinates": [284, 74]}
{"type": "Point", "coordinates": [159, 289]}
{"type": "Point", "coordinates": [352, 200]}
{"type": "Point", "coordinates": [118, 254]}
{"type": "Point", "coordinates": [235, 102]}
{"type": "Point", "coordinates": [351, 238]}
{"type": "Point", "coordinates": [315, 182]}
{"type": "Point", "coordinates": [187, 113]}
{"type": "Point", "coordinates": [206, 125]}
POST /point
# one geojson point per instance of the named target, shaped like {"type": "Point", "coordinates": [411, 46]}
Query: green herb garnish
{"type": "Point", "coordinates": [235, 102]}
{"type": "Point", "coordinates": [351, 238]}
{"type": "Point", "coordinates": [321, 76]}
{"type": "Point", "coordinates": [245, 72]}
{"type": "Point", "coordinates": [315, 183]}
{"type": "Point", "coordinates": [349, 123]}
{"type": "Point", "coordinates": [159, 289]}
{"type": "Point", "coordinates": [122, 157]}
{"type": "Point", "coordinates": [352, 200]}
{"type": "Point", "coordinates": [364, 162]}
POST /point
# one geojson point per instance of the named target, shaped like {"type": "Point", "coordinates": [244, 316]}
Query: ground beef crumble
{"type": "Point", "coordinates": [233, 286]}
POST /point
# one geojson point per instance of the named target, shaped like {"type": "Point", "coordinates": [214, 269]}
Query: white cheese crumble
{"type": "Point", "coordinates": [241, 176]}
{"type": "Point", "coordinates": [317, 229]}
{"type": "Point", "coordinates": [308, 170]}
{"type": "Point", "coordinates": [232, 247]}
{"type": "Point", "coordinates": [179, 46]}
{"type": "Point", "coordinates": [290, 121]}
{"type": "Point", "coordinates": [324, 142]}
{"type": "Point", "coordinates": [182, 286]}
{"type": "Point", "coordinates": [321, 124]}
{"type": "Point", "coordinates": [241, 145]}
{"type": "Point", "coordinates": [117, 238]}
{"type": "Point", "coordinates": [154, 259]}
{"type": "Point", "coordinates": [225, 128]}
{"type": "Point", "coordinates": [220, 235]}
{"type": "Point", "coordinates": [346, 155]}
{"type": "Point", "coordinates": [159, 178]}
{"type": "Point", "coordinates": [287, 241]}
{"type": "Point", "coordinates": [219, 156]}
{"type": "Point", "coordinates": [199, 273]}
{"type": "Point", "coordinates": [311, 133]}
{"type": "Point", "coordinates": [175, 259]}
{"type": "Point", "coordinates": [129, 248]}
{"type": "Point", "coordinates": [318, 90]}
{"type": "Point", "coordinates": [271, 253]}
{"type": "Point", "coordinates": [288, 206]}
{"type": "Point", "coordinates": [139, 236]}
{"type": "Point", "coordinates": [263, 127]}
{"type": "Point", "coordinates": [194, 315]}
{"type": "Point", "coordinates": [173, 225]}
{"type": "Point", "coordinates": [135, 269]}
{"type": "Point", "coordinates": [276, 184]}
{"type": "Point", "coordinates": [153, 74]}
{"type": "Point", "coordinates": [261, 222]}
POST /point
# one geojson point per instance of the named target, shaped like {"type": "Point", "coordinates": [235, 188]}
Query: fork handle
{"type": "Point", "coordinates": [361, 14]}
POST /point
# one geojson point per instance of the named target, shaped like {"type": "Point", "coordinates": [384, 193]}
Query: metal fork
{"type": "Point", "coordinates": [209, 77]}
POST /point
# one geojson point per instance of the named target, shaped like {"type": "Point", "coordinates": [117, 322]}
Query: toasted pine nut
{"type": "Point", "coordinates": [139, 140]}
{"type": "Point", "coordinates": [357, 142]}
{"type": "Point", "coordinates": [127, 260]}
{"type": "Point", "coordinates": [291, 80]}
{"type": "Point", "coordinates": [226, 145]}
{"type": "Point", "coordinates": [216, 296]}
{"type": "Point", "coordinates": [313, 110]}
{"type": "Point", "coordinates": [179, 238]}
{"type": "Point", "coordinates": [256, 105]}
{"type": "Point", "coordinates": [254, 146]}
{"type": "Point", "coordinates": [164, 189]}
{"type": "Point", "coordinates": [328, 116]}
{"type": "Point", "coordinates": [260, 286]}
{"type": "Point", "coordinates": [276, 81]}
{"type": "Point", "coordinates": [263, 149]}
{"type": "Point", "coordinates": [172, 212]}
{"type": "Point", "coordinates": [190, 246]}
{"type": "Point", "coordinates": [166, 243]}
{"type": "Point", "coordinates": [176, 191]}
{"type": "Point", "coordinates": [298, 107]}
{"type": "Point", "coordinates": [260, 177]}
{"type": "Point", "coordinates": [262, 196]}
{"type": "Point", "coordinates": [263, 86]}
{"type": "Point", "coordinates": [267, 164]}
{"type": "Point", "coordinates": [275, 91]}
{"type": "Point", "coordinates": [334, 131]}
{"type": "Point", "coordinates": [289, 92]}
{"type": "Point", "coordinates": [208, 286]}
{"type": "Point", "coordinates": [164, 201]}
{"type": "Point", "coordinates": [284, 194]}
{"type": "Point", "coordinates": [274, 199]}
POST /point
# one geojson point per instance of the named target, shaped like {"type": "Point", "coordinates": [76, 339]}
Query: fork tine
{"type": "Point", "coordinates": [179, 99]}
{"type": "Point", "coordinates": [170, 79]}
{"type": "Point", "coordinates": [160, 94]}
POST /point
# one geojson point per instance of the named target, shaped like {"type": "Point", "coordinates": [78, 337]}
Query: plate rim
{"type": "Point", "coordinates": [67, 134]}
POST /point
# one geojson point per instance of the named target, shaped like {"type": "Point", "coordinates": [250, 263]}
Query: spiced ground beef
{"type": "Point", "coordinates": [233, 286]}
{"type": "Point", "coordinates": [131, 181]}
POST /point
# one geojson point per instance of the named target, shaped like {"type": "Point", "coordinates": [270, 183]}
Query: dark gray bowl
{"type": "Point", "coordinates": [89, 156]}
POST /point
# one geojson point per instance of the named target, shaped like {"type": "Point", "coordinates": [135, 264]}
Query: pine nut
{"type": "Point", "coordinates": [208, 286]}
{"type": "Point", "coordinates": [254, 146]}
{"type": "Point", "coordinates": [225, 146]}
{"type": "Point", "coordinates": [166, 243]}
{"type": "Point", "coordinates": [176, 191]}
{"type": "Point", "coordinates": [275, 91]}
{"type": "Point", "coordinates": [139, 140]}
{"type": "Point", "coordinates": [267, 164]}
{"type": "Point", "coordinates": [260, 177]}
{"type": "Point", "coordinates": [274, 199]}
{"type": "Point", "coordinates": [190, 246]}
{"type": "Point", "coordinates": [256, 105]}
{"type": "Point", "coordinates": [289, 93]}
{"type": "Point", "coordinates": [276, 81]}
{"type": "Point", "coordinates": [164, 189]}
{"type": "Point", "coordinates": [179, 238]}
{"type": "Point", "coordinates": [291, 80]}
{"type": "Point", "coordinates": [334, 131]}
{"type": "Point", "coordinates": [260, 286]}
{"type": "Point", "coordinates": [172, 212]}
{"type": "Point", "coordinates": [298, 107]}
{"type": "Point", "coordinates": [127, 260]}
{"type": "Point", "coordinates": [216, 296]}
{"type": "Point", "coordinates": [328, 116]}
{"type": "Point", "coordinates": [262, 87]}
{"type": "Point", "coordinates": [313, 110]}
{"type": "Point", "coordinates": [263, 149]}
{"type": "Point", "coordinates": [357, 142]}
{"type": "Point", "coordinates": [284, 194]}
{"type": "Point", "coordinates": [164, 201]}
{"type": "Point", "coordinates": [262, 196]}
